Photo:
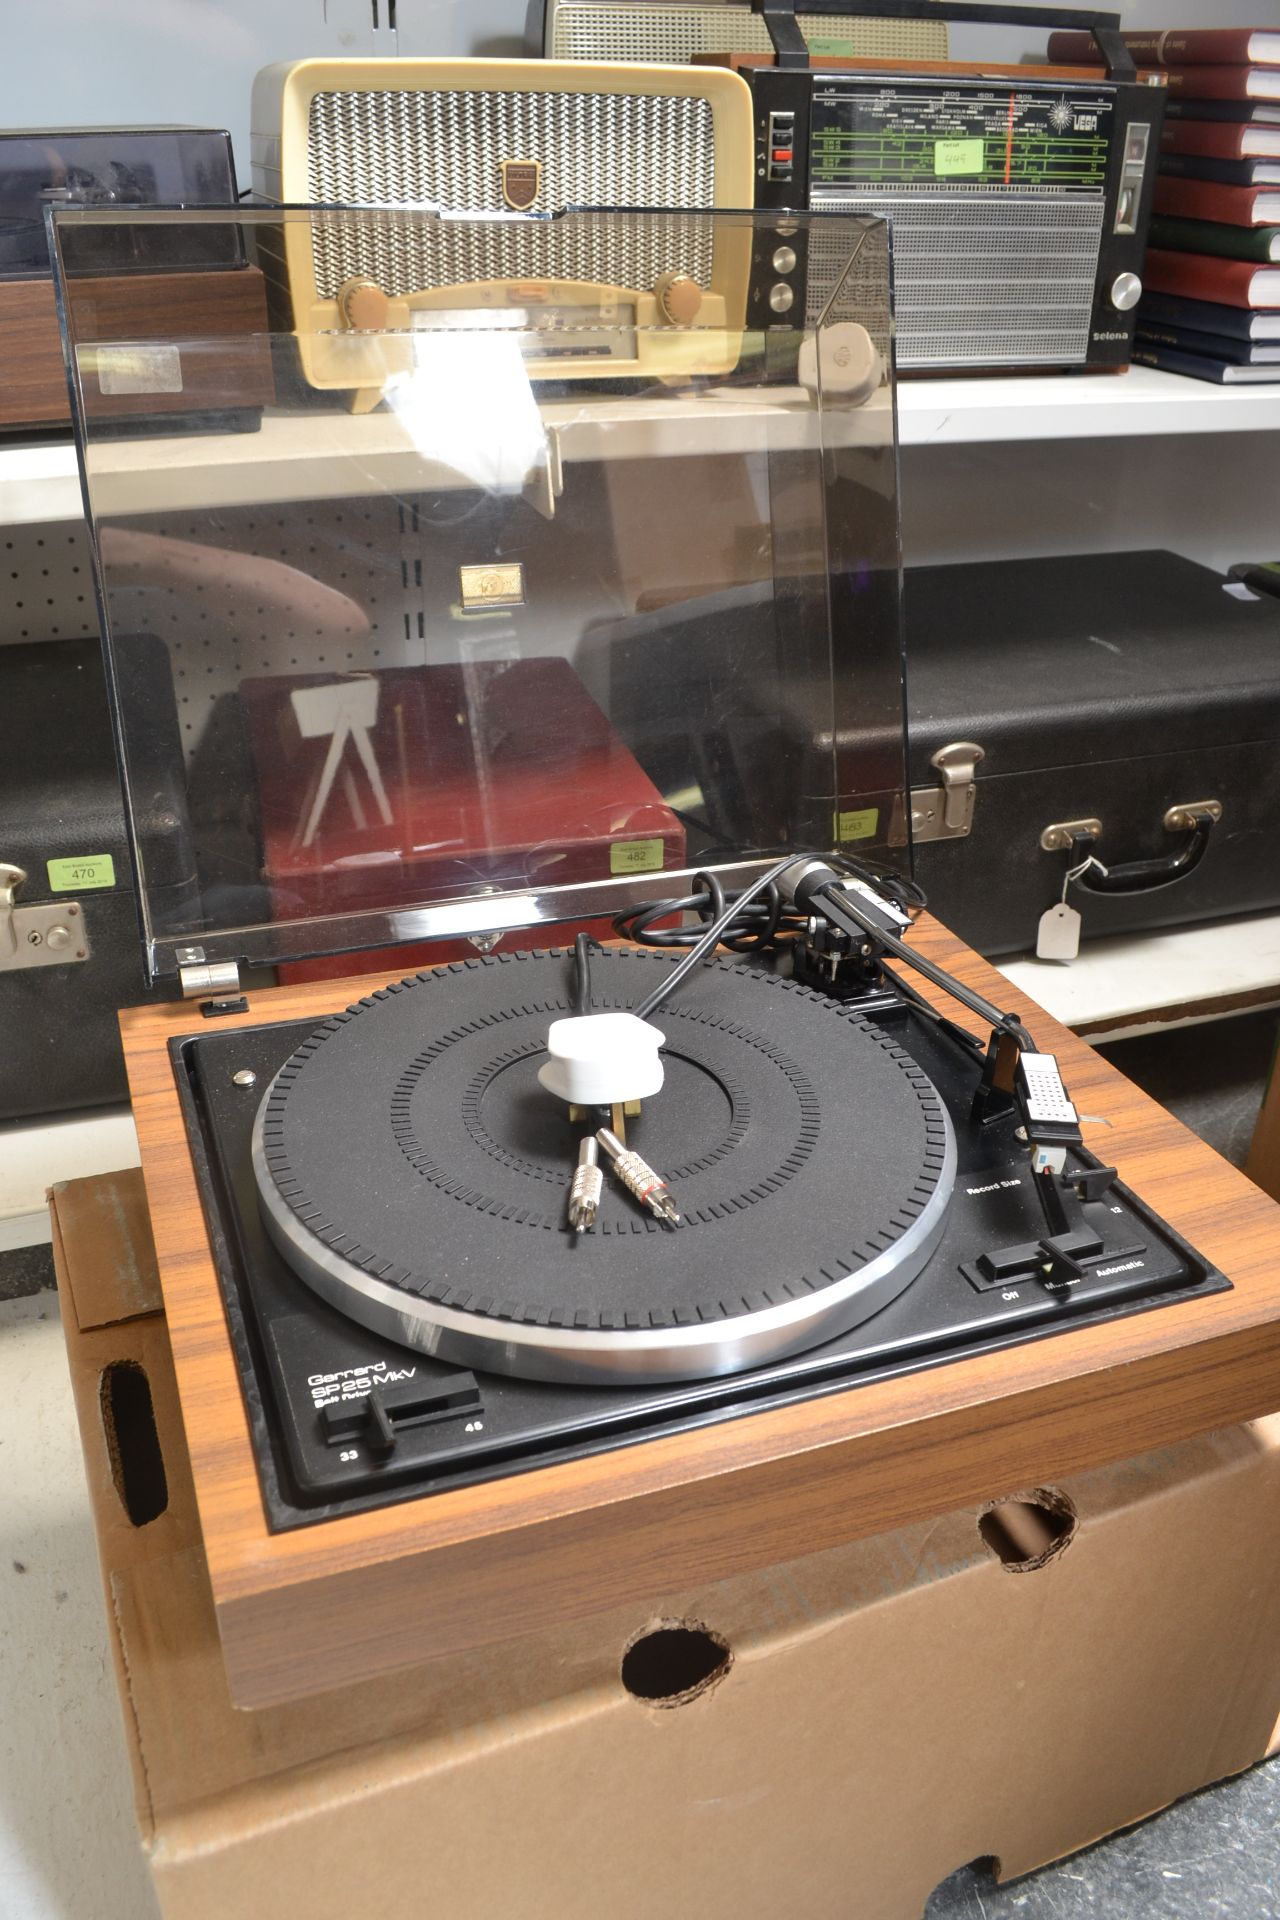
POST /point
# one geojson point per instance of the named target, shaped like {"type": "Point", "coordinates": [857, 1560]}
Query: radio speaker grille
{"type": "Point", "coordinates": [850, 288]}
{"type": "Point", "coordinates": [674, 34]}
{"type": "Point", "coordinates": [444, 149]}
{"type": "Point", "coordinates": [980, 279]}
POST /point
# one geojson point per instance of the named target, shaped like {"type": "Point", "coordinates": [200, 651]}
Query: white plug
{"type": "Point", "coordinates": [602, 1059]}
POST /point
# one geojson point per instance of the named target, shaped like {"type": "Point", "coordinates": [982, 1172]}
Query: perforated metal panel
{"type": "Point", "coordinates": [445, 149]}
{"type": "Point", "coordinates": [982, 278]}
{"type": "Point", "coordinates": [671, 33]}
{"type": "Point", "coordinates": [46, 584]}
{"type": "Point", "coordinates": [359, 608]}
{"type": "Point", "coordinates": [850, 289]}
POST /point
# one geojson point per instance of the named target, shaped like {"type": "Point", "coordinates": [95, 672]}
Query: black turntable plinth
{"type": "Point", "coordinates": [411, 1309]}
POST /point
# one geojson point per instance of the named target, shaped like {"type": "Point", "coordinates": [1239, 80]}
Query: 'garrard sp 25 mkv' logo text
{"type": "Point", "coordinates": [354, 1383]}
{"type": "Point", "coordinates": [520, 182]}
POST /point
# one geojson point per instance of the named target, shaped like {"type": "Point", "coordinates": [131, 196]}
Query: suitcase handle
{"type": "Point", "coordinates": [791, 50]}
{"type": "Point", "coordinates": [1196, 821]}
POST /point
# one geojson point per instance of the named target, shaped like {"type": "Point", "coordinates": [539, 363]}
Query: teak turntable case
{"type": "Point", "coordinates": [152, 284]}
{"type": "Point", "coordinates": [423, 1411]}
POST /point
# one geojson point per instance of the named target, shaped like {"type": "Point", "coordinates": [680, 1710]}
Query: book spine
{"type": "Point", "coordinates": [1205, 200]}
{"type": "Point", "coordinates": [1222, 113]}
{"type": "Point", "coordinates": [1222, 83]}
{"type": "Point", "coordinates": [1205, 140]}
{"type": "Point", "coordinates": [1264, 578]}
{"type": "Point", "coordinates": [1218, 346]}
{"type": "Point", "coordinates": [1209, 236]}
{"type": "Point", "coordinates": [1197, 46]}
{"type": "Point", "coordinates": [1198, 277]}
{"type": "Point", "coordinates": [1223, 173]}
{"type": "Point", "coordinates": [1204, 316]}
{"type": "Point", "coordinates": [1169, 360]}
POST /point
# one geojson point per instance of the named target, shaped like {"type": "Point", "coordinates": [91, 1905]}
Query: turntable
{"type": "Point", "coordinates": [501, 1288]}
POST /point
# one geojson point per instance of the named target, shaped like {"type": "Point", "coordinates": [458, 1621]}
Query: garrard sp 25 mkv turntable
{"type": "Point", "coordinates": [565, 1269]}
{"type": "Point", "coordinates": [827, 1185]}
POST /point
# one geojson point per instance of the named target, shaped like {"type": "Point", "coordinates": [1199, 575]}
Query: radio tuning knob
{"type": "Point", "coordinates": [843, 359]}
{"type": "Point", "coordinates": [363, 306]}
{"type": "Point", "coordinates": [1126, 291]}
{"type": "Point", "coordinates": [679, 298]}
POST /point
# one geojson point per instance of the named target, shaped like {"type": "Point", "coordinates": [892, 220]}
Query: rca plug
{"type": "Point", "coordinates": [586, 1187]}
{"type": "Point", "coordinates": [639, 1178]}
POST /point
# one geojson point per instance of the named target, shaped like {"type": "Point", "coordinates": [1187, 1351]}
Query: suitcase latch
{"type": "Point", "coordinates": [52, 935]}
{"type": "Point", "coordinates": [945, 812]}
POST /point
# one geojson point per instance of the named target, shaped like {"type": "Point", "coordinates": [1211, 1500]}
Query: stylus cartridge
{"type": "Point", "coordinates": [1048, 1116]}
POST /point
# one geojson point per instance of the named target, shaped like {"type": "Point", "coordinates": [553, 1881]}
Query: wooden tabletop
{"type": "Point", "coordinates": [331, 1602]}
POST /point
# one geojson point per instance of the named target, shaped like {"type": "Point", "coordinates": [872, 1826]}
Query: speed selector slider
{"type": "Point", "coordinates": [379, 1418]}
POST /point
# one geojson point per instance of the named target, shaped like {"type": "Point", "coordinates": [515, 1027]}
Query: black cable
{"type": "Point", "coordinates": [755, 926]}
{"type": "Point", "coordinates": [582, 973]}
{"type": "Point", "coordinates": [710, 939]}
{"type": "Point", "coordinates": [763, 920]}
{"type": "Point", "coordinates": [758, 923]}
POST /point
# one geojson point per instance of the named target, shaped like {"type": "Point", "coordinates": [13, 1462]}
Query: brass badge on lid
{"type": "Point", "coordinates": [520, 182]}
{"type": "Point", "coordinates": [491, 586]}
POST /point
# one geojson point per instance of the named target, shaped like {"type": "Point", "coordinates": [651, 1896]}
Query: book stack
{"type": "Point", "coordinates": [1212, 303]}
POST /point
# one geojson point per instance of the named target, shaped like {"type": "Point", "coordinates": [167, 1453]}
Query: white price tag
{"type": "Point", "coordinates": [1058, 936]}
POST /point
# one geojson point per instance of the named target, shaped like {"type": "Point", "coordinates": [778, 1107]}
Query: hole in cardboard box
{"type": "Point", "coordinates": [133, 1444]}
{"type": "Point", "coordinates": [951, 1895]}
{"type": "Point", "coordinates": [673, 1662]}
{"type": "Point", "coordinates": [1029, 1531]}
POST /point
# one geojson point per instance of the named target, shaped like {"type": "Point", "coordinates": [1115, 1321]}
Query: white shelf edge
{"type": "Point", "coordinates": [38, 484]}
{"type": "Point", "coordinates": [1170, 977]}
{"type": "Point", "coordinates": [288, 458]}
{"type": "Point", "coordinates": [36, 1154]}
{"type": "Point", "coordinates": [1140, 402]}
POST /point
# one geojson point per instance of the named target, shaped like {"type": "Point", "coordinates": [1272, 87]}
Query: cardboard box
{"type": "Point", "coordinates": [827, 1738]}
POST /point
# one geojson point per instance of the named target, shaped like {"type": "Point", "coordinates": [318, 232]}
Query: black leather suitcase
{"type": "Point", "coordinates": [1124, 706]}
{"type": "Point", "coordinates": [62, 825]}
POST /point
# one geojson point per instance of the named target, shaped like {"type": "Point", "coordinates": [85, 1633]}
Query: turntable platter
{"type": "Point", "coordinates": [411, 1169]}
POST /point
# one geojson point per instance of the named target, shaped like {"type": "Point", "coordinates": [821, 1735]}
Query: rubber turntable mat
{"type": "Point", "coordinates": [411, 1137]}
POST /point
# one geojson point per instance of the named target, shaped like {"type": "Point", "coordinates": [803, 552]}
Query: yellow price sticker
{"type": "Point", "coordinates": [958, 156]}
{"type": "Point", "coordinates": [80, 875]}
{"type": "Point", "coordinates": [635, 856]}
{"type": "Point", "coordinates": [859, 823]}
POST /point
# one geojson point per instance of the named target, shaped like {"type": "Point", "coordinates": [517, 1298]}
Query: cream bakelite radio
{"type": "Point", "coordinates": [498, 151]}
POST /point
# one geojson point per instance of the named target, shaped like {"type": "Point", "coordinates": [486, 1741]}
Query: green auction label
{"type": "Point", "coordinates": [78, 876]}
{"type": "Point", "coordinates": [858, 824]}
{"type": "Point", "coordinates": [635, 856]}
{"type": "Point", "coordinates": [957, 156]}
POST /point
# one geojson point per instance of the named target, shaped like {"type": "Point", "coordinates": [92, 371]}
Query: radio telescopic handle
{"type": "Point", "coordinates": [792, 49]}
